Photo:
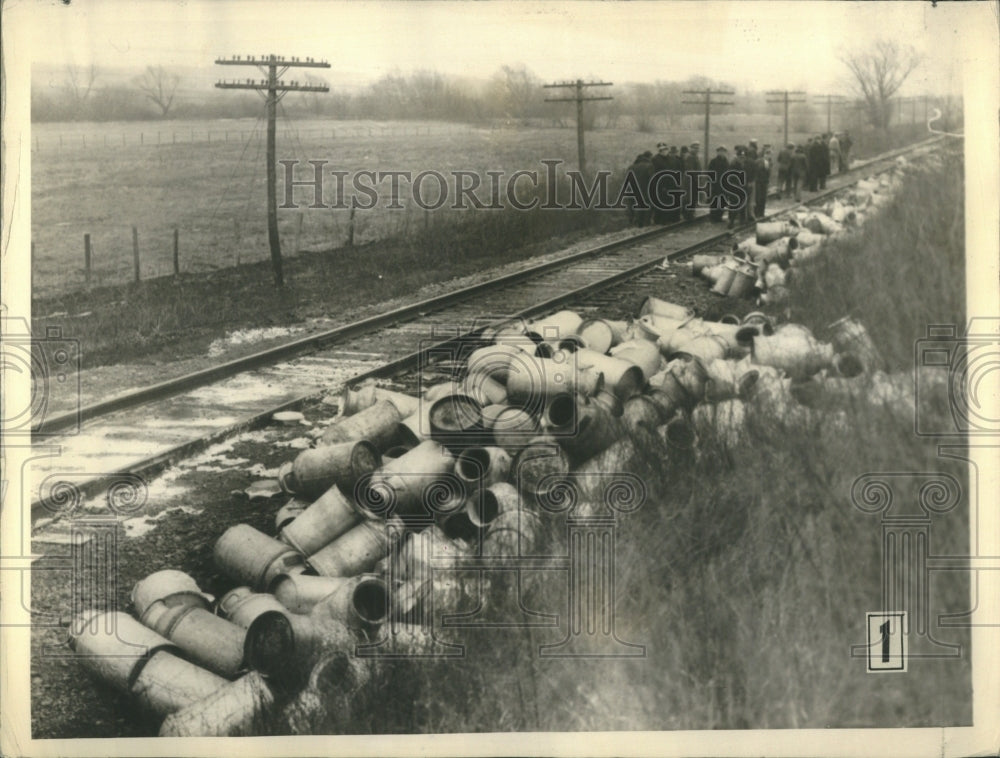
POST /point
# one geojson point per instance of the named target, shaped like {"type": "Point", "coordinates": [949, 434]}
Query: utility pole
{"type": "Point", "coordinates": [579, 99]}
{"type": "Point", "coordinates": [830, 100]}
{"type": "Point", "coordinates": [786, 100]}
{"type": "Point", "coordinates": [708, 102]}
{"type": "Point", "coordinates": [273, 89]}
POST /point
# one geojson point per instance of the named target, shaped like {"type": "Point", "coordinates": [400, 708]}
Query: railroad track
{"type": "Point", "coordinates": [143, 432]}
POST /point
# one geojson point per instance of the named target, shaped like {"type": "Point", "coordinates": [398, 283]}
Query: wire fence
{"type": "Point", "coordinates": [151, 137]}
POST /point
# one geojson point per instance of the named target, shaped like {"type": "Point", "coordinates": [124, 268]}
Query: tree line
{"type": "Point", "coordinates": [514, 94]}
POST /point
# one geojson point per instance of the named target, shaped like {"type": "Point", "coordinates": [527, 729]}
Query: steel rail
{"type": "Point", "coordinates": [154, 464]}
{"type": "Point", "coordinates": [316, 342]}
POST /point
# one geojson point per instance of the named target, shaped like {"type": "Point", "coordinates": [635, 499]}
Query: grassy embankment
{"type": "Point", "coordinates": [749, 571]}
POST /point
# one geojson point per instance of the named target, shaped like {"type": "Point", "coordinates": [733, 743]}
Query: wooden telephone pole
{"type": "Point", "coordinates": [579, 99]}
{"type": "Point", "coordinates": [830, 100]}
{"type": "Point", "coordinates": [708, 102]}
{"type": "Point", "coordinates": [273, 89]}
{"type": "Point", "coordinates": [786, 100]}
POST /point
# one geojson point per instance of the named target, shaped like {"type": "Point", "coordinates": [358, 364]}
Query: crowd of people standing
{"type": "Point", "coordinates": [750, 169]}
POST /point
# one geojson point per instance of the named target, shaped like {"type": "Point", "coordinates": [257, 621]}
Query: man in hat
{"type": "Point", "coordinates": [738, 169]}
{"type": "Point", "coordinates": [718, 166]}
{"type": "Point", "coordinates": [691, 163]}
{"type": "Point", "coordinates": [798, 170]}
{"type": "Point", "coordinates": [660, 162]}
{"type": "Point", "coordinates": [784, 161]}
{"type": "Point", "coordinates": [762, 178]}
{"type": "Point", "coordinates": [641, 170]}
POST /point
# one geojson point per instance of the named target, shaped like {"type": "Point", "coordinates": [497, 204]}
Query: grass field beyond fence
{"type": "Point", "coordinates": [207, 182]}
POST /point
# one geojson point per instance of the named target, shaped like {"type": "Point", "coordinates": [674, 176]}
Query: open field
{"type": "Point", "coordinates": [213, 191]}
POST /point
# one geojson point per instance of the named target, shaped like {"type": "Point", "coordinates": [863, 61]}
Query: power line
{"type": "Point", "coordinates": [579, 99]}
{"type": "Point", "coordinates": [786, 99]}
{"type": "Point", "coordinates": [830, 100]}
{"type": "Point", "coordinates": [270, 88]}
{"type": "Point", "coordinates": [708, 102]}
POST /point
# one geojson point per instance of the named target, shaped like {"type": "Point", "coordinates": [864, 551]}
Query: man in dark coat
{"type": "Point", "coordinates": [845, 151]}
{"type": "Point", "coordinates": [642, 170]}
{"type": "Point", "coordinates": [762, 177]}
{"type": "Point", "coordinates": [738, 168]}
{"type": "Point", "coordinates": [798, 170]}
{"type": "Point", "coordinates": [815, 157]}
{"type": "Point", "coordinates": [691, 163]}
{"type": "Point", "coordinates": [660, 162]}
{"type": "Point", "coordinates": [784, 161]}
{"type": "Point", "coordinates": [824, 161]}
{"type": "Point", "coordinates": [718, 166]}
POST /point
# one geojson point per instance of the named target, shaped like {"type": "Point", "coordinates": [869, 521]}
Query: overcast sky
{"type": "Point", "coordinates": [754, 45]}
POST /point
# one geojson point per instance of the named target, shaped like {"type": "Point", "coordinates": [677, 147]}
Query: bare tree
{"type": "Point", "coordinates": [159, 86]}
{"type": "Point", "coordinates": [79, 83]}
{"type": "Point", "coordinates": [878, 74]}
{"type": "Point", "coordinates": [517, 91]}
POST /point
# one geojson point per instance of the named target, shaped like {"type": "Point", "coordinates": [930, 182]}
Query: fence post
{"type": "Point", "coordinates": [142, 138]}
{"type": "Point", "coordinates": [84, 136]}
{"type": "Point", "coordinates": [173, 137]}
{"type": "Point", "coordinates": [177, 260]}
{"type": "Point", "coordinates": [350, 228]}
{"type": "Point", "coordinates": [135, 252]}
{"type": "Point", "coordinates": [86, 256]}
{"type": "Point", "coordinates": [123, 138]}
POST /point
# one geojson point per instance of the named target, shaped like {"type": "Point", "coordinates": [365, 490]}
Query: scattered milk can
{"type": "Point", "coordinates": [114, 646]}
{"type": "Point", "coordinates": [355, 552]}
{"type": "Point", "coordinates": [725, 279]}
{"type": "Point", "coordinates": [403, 486]}
{"type": "Point", "coordinates": [170, 587]}
{"type": "Point", "coordinates": [540, 466]}
{"type": "Point", "coordinates": [600, 334]}
{"type": "Point", "coordinates": [489, 502]}
{"type": "Point", "coordinates": [362, 602]}
{"type": "Point", "coordinates": [663, 308]}
{"type": "Point", "coordinates": [300, 592]}
{"type": "Point", "coordinates": [555, 327]}
{"type": "Point", "coordinates": [769, 231]}
{"type": "Point", "coordinates": [289, 512]}
{"type": "Point", "coordinates": [484, 389]}
{"type": "Point", "coordinates": [456, 421]}
{"type": "Point", "coordinates": [206, 639]}
{"type": "Point", "coordinates": [643, 413]}
{"type": "Point", "coordinates": [314, 471]}
{"type": "Point", "coordinates": [642, 353]}
{"type": "Point", "coordinates": [236, 709]}
{"type": "Point", "coordinates": [377, 424]}
{"type": "Point", "coordinates": [743, 280]}
{"type": "Point", "coordinates": [701, 262]}
{"type": "Point", "coordinates": [167, 683]}
{"type": "Point", "coordinates": [849, 335]}
{"type": "Point", "coordinates": [511, 427]}
{"type": "Point", "coordinates": [495, 360]}
{"type": "Point", "coordinates": [251, 557]}
{"type": "Point", "coordinates": [322, 522]}
{"type": "Point", "coordinates": [530, 383]}
{"type": "Point", "coordinates": [623, 377]}
{"type": "Point", "coordinates": [356, 400]}
{"type": "Point", "coordinates": [482, 466]}
{"type": "Point", "coordinates": [583, 428]}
